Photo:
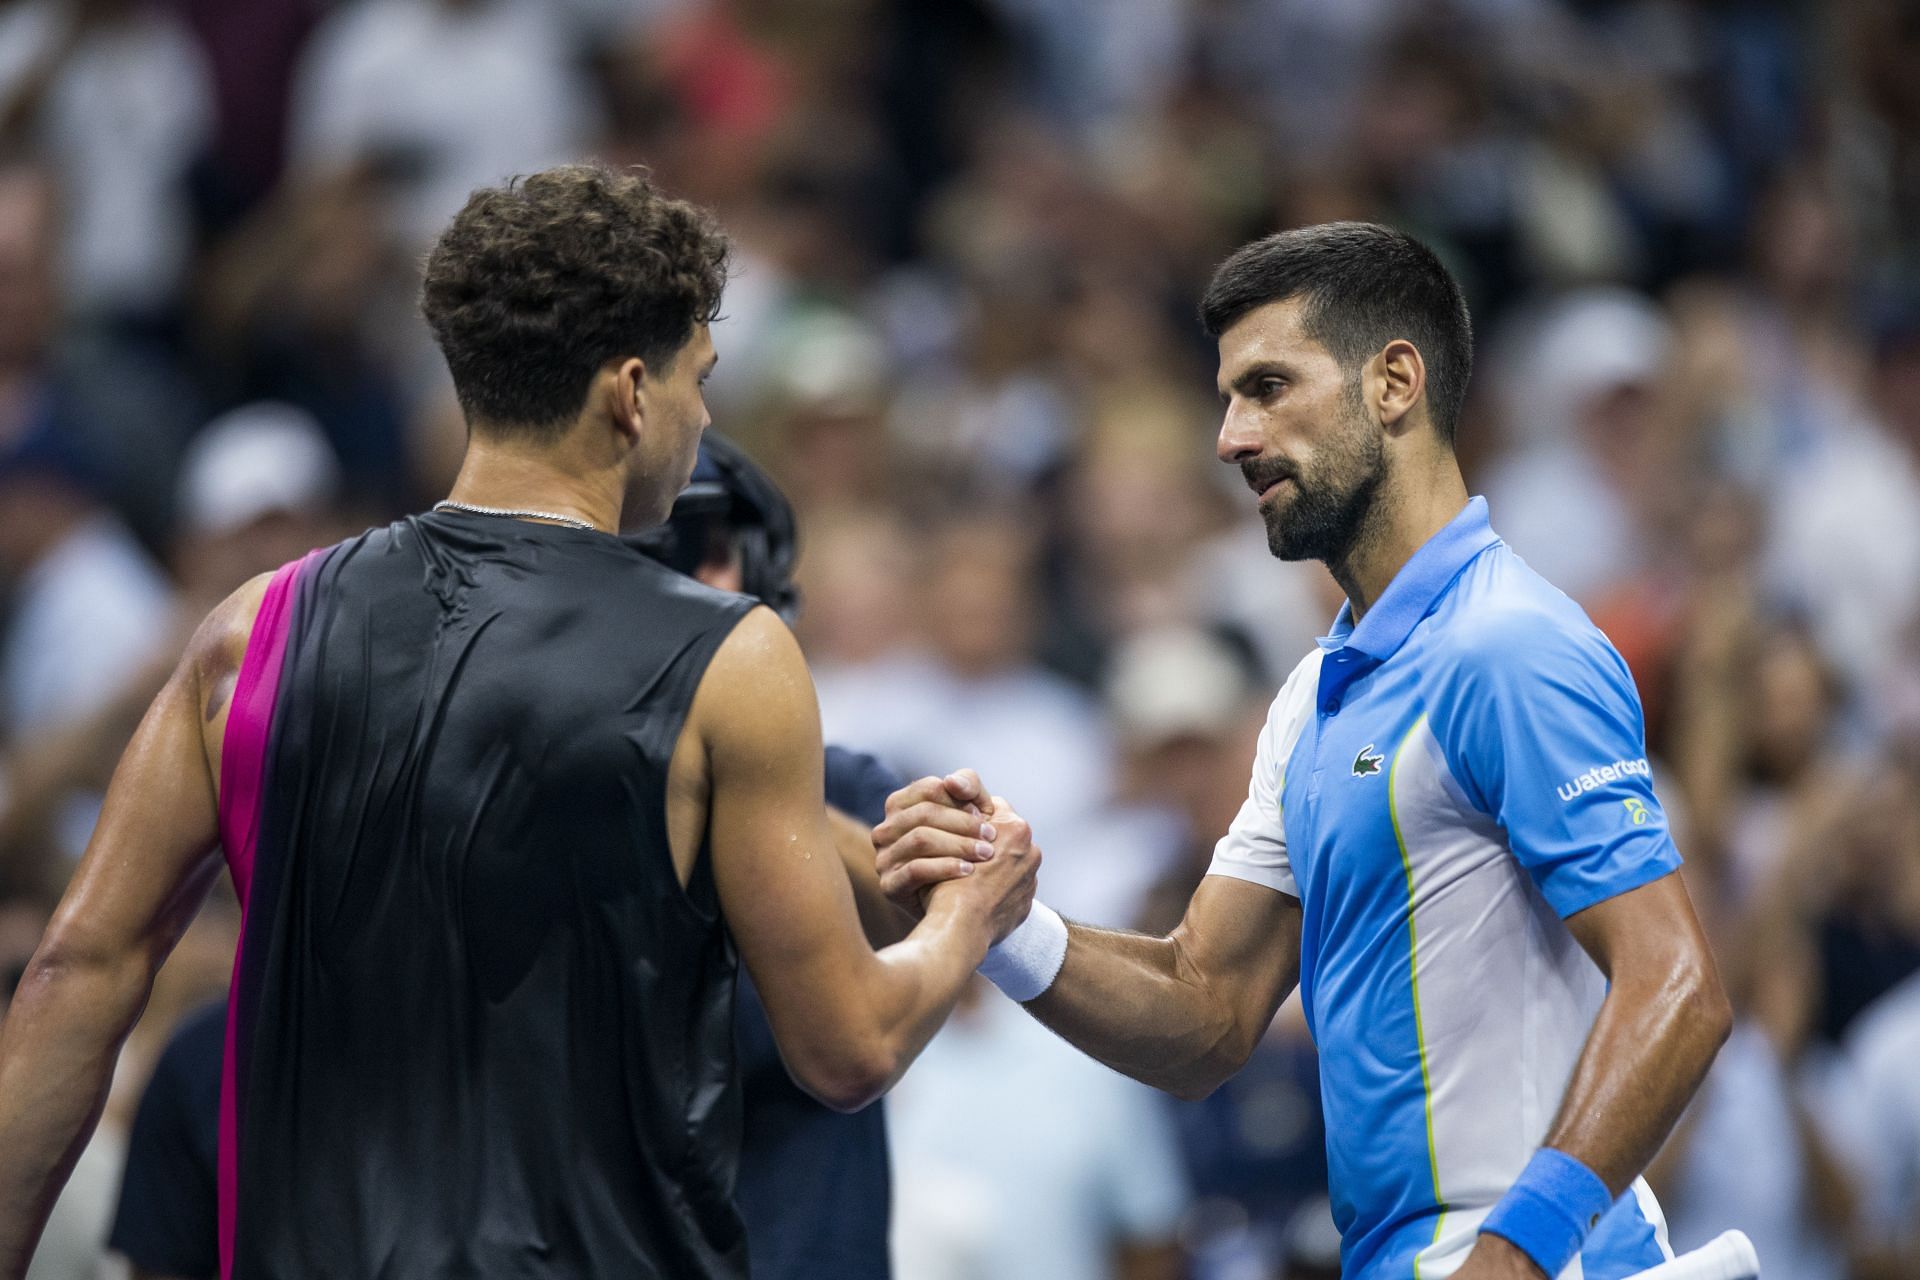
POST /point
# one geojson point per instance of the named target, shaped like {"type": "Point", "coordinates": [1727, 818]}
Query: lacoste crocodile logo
{"type": "Point", "coordinates": [1367, 762]}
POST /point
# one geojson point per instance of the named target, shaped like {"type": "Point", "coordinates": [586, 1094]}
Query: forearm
{"type": "Point", "coordinates": [912, 989]}
{"type": "Point", "coordinates": [1143, 1007]}
{"type": "Point", "coordinates": [61, 1038]}
{"type": "Point", "coordinates": [882, 922]}
{"type": "Point", "coordinates": [1647, 1054]}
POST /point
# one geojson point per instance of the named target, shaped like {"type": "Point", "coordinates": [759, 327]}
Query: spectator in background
{"type": "Point", "coordinates": [257, 489]}
{"type": "Point", "coordinates": [1759, 1148]}
{"type": "Point", "coordinates": [119, 409]}
{"type": "Point", "coordinates": [972, 690]}
{"type": "Point", "coordinates": [259, 486]}
{"type": "Point", "coordinates": [1793, 419]}
{"type": "Point", "coordinates": [1186, 708]}
{"type": "Point", "coordinates": [441, 96]}
{"type": "Point", "coordinates": [1063, 1171]}
{"type": "Point", "coordinates": [118, 93]}
{"type": "Point", "coordinates": [1883, 1049]}
{"type": "Point", "coordinates": [166, 1221]}
{"type": "Point", "coordinates": [250, 48]}
{"type": "Point", "coordinates": [299, 304]}
{"type": "Point", "coordinates": [970, 232]}
{"type": "Point", "coordinates": [1186, 704]}
{"type": "Point", "coordinates": [1572, 497]}
{"type": "Point", "coordinates": [88, 605]}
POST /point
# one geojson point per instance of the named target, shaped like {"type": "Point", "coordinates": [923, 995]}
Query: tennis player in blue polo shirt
{"type": "Point", "coordinates": [1451, 841]}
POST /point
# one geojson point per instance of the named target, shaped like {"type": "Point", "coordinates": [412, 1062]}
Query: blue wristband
{"type": "Point", "coordinates": [1549, 1210]}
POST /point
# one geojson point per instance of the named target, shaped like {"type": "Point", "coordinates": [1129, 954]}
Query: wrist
{"type": "Point", "coordinates": [945, 909]}
{"type": "Point", "coordinates": [1550, 1209]}
{"type": "Point", "coordinates": [1025, 962]}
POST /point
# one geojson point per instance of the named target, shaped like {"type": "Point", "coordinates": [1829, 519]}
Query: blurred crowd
{"type": "Point", "coordinates": [971, 237]}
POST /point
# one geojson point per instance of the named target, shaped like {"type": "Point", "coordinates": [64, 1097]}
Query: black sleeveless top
{"type": "Point", "coordinates": [478, 1028]}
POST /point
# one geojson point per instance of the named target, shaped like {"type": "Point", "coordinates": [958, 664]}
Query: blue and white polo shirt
{"type": "Point", "coordinates": [1441, 785]}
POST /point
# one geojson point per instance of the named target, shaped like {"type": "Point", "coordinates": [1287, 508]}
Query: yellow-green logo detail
{"type": "Point", "coordinates": [1368, 761]}
{"type": "Point", "coordinates": [1638, 808]}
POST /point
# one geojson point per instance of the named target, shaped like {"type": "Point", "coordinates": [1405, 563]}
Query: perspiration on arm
{"type": "Point", "coordinates": [1541, 724]}
{"type": "Point", "coordinates": [1181, 1012]}
{"type": "Point", "coordinates": [1664, 1019]}
{"type": "Point", "coordinates": [1184, 1012]}
{"type": "Point", "coordinates": [847, 1020]}
{"type": "Point", "coordinates": [145, 872]}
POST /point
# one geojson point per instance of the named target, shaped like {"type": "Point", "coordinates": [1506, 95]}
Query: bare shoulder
{"type": "Point", "coordinates": [219, 646]}
{"type": "Point", "coordinates": [758, 674]}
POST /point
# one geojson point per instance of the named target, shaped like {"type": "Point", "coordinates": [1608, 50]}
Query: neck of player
{"type": "Point", "coordinates": [557, 478]}
{"type": "Point", "coordinates": [1413, 504]}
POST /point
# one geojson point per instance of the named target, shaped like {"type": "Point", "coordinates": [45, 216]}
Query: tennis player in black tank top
{"type": "Point", "coordinates": [500, 797]}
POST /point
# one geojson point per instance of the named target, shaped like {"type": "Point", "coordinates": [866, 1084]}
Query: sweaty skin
{"type": "Point", "coordinates": [1184, 1012]}
{"type": "Point", "coordinates": [146, 870]}
{"type": "Point", "coordinates": [747, 771]}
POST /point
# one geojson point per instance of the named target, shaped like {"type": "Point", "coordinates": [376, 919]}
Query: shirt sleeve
{"type": "Point", "coordinates": [1255, 846]}
{"type": "Point", "coordinates": [1541, 725]}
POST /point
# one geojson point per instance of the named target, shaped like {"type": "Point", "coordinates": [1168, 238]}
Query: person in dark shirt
{"type": "Point", "coordinates": [506, 802]}
{"type": "Point", "coordinates": [167, 1221]}
{"type": "Point", "coordinates": [813, 1185]}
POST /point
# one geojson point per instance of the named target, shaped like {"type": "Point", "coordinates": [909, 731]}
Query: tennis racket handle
{"type": "Point", "coordinates": [1728, 1256]}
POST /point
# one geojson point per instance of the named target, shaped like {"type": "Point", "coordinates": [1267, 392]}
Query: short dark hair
{"type": "Point", "coordinates": [538, 283]}
{"type": "Point", "coordinates": [1364, 286]}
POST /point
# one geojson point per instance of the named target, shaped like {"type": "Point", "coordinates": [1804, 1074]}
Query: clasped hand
{"type": "Point", "coordinates": [941, 831]}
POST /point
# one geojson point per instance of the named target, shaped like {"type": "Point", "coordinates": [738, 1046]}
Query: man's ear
{"type": "Point", "coordinates": [626, 392]}
{"type": "Point", "coordinates": [1398, 378]}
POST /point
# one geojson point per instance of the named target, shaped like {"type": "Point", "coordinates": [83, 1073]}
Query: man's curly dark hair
{"type": "Point", "coordinates": [538, 283]}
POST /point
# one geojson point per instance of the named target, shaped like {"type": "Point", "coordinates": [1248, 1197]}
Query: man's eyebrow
{"type": "Point", "coordinates": [1253, 374]}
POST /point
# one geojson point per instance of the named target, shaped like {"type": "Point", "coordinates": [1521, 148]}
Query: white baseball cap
{"type": "Point", "coordinates": [263, 458]}
{"type": "Point", "coordinates": [1175, 682]}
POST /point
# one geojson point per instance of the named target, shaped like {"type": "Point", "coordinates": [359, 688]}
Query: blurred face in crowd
{"type": "Point", "coordinates": [1297, 429]}
{"type": "Point", "coordinates": [857, 567]}
{"type": "Point", "coordinates": [980, 608]}
{"type": "Point", "coordinates": [27, 292]}
{"type": "Point", "coordinates": [672, 403]}
{"type": "Point", "coordinates": [1792, 706]}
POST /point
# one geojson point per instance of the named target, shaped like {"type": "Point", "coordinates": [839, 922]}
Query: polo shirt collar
{"type": "Point", "coordinates": [1422, 580]}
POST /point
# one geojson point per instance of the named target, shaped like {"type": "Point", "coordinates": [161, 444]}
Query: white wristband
{"type": "Point", "coordinates": [1025, 962]}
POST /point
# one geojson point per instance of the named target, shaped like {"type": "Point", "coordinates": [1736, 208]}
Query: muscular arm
{"type": "Point", "coordinates": [145, 872]}
{"type": "Point", "coordinates": [848, 1020]}
{"type": "Point", "coordinates": [1181, 1013]}
{"type": "Point", "coordinates": [1664, 1018]}
{"type": "Point", "coordinates": [884, 923]}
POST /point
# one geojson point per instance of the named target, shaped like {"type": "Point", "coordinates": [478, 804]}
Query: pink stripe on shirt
{"type": "Point", "coordinates": [243, 765]}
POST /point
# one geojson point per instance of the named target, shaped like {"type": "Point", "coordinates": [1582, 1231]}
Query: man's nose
{"type": "Point", "coordinates": [1239, 440]}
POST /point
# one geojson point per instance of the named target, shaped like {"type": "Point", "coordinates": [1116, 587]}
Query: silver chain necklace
{"type": "Point", "coordinates": [514, 513]}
